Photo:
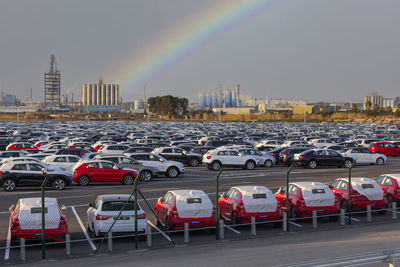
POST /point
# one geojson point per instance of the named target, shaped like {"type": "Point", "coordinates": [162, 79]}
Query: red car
{"type": "Point", "coordinates": [21, 146]}
{"type": "Point", "coordinates": [178, 207]}
{"type": "Point", "coordinates": [386, 148]}
{"type": "Point", "coordinates": [305, 197]}
{"type": "Point", "coordinates": [241, 203]}
{"type": "Point", "coordinates": [26, 220]}
{"type": "Point", "coordinates": [103, 171]}
{"type": "Point", "coordinates": [390, 184]}
{"type": "Point", "coordinates": [364, 192]}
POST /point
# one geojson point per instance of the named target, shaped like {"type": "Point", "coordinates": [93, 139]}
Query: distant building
{"type": "Point", "coordinates": [52, 85]}
{"type": "Point", "coordinates": [304, 109]}
{"type": "Point", "coordinates": [9, 100]}
{"type": "Point", "coordinates": [388, 103]}
{"type": "Point", "coordinates": [374, 99]}
{"type": "Point", "coordinates": [235, 110]}
{"type": "Point", "coordinates": [227, 98]}
{"type": "Point", "coordinates": [100, 97]}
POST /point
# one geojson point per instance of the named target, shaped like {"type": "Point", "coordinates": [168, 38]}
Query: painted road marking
{"type": "Point", "coordinates": [83, 229]}
{"type": "Point", "coordinates": [233, 230]}
{"type": "Point", "coordinates": [354, 219]}
{"type": "Point", "coordinates": [7, 252]}
{"type": "Point", "coordinates": [159, 230]}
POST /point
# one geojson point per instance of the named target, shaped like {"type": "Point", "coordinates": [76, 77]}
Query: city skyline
{"type": "Point", "coordinates": [292, 50]}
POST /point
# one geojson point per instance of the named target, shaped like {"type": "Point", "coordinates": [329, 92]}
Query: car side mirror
{"type": "Point", "coordinates": [161, 160]}
{"type": "Point", "coordinates": [63, 207]}
{"type": "Point", "coordinates": [11, 208]}
{"type": "Point", "coordinates": [44, 171]}
{"type": "Point", "coordinates": [91, 205]}
{"type": "Point", "coordinates": [115, 167]}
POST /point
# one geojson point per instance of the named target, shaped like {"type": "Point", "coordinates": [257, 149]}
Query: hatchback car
{"type": "Point", "coordinates": [385, 148]}
{"type": "Point", "coordinates": [178, 207]}
{"type": "Point", "coordinates": [321, 157]}
{"type": "Point", "coordinates": [364, 192]}
{"type": "Point", "coordinates": [102, 214]}
{"type": "Point", "coordinates": [103, 171]}
{"type": "Point", "coordinates": [241, 203]}
{"type": "Point", "coordinates": [168, 167]}
{"type": "Point", "coordinates": [361, 155]}
{"type": "Point", "coordinates": [21, 146]}
{"type": "Point", "coordinates": [390, 183]}
{"type": "Point", "coordinates": [306, 197]}
{"type": "Point", "coordinates": [26, 220]}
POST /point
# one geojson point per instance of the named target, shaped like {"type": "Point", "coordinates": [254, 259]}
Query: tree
{"type": "Point", "coordinates": [168, 105]}
{"type": "Point", "coordinates": [368, 105]}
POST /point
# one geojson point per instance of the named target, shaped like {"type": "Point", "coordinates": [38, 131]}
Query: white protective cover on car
{"type": "Point", "coordinates": [316, 200]}
{"type": "Point", "coordinates": [193, 210]}
{"type": "Point", "coordinates": [268, 204]}
{"type": "Point", "coordinates": [29, 221]}
{"type": "Point", "coordinates": [375, 193]}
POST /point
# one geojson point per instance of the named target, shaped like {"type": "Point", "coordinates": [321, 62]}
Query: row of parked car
{"type": "Point", "coordinates": [194, 207]}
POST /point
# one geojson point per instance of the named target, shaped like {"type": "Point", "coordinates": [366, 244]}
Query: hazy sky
{"type": "Point", "coordinates": [331, 50]}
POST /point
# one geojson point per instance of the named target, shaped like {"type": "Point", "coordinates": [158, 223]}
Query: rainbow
{"type": "Point", "coordinates": [142, 65]}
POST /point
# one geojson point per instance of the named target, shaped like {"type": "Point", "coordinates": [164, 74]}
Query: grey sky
{"type": "Point", "coordinates": [331, 50]}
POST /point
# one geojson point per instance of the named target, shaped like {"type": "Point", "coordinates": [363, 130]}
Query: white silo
{"type": "Point", "coordinates": [117, 95]}
{"type": "Point", "coordinates": [94, 94]}
{"type": "Point", "coordinates": [98, 102]}
{"type": "Point", "coordinates": [84, 94]}
{"type": "Point", "coordinates": [89, 95]}
{"type": "Point", "coordinates": [108, 94]}
{"type": "Point", "coordinates": [112, 97]}
{"type": "Point", "coordinates": [103, 94]}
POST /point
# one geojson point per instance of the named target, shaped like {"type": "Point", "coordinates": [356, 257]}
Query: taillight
{"type": "Point", "coordinates": [102, 218]}
{"type": "Point", "coordinates": [273, 154]}
{"type": "Point", "coordinates": [285, 155]}
{"type": "Point", "coordinates": [208, 157]}
{"type": "Point", "coordinates": [302, 157]}
{"type": "Point", "coordinates": [1, 172]}
{"type": "Point", "coordinates": [142, 216]}
{"type": "Point", "coordinates": [62, 219]}
{"type": "Point", "coordinates": [15, 221]}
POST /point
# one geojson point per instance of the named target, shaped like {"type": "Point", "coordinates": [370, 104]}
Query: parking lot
{"type": "Point", "coordinates": [77, 198]}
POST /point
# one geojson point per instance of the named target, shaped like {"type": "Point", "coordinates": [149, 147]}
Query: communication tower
{"type": "Point", "coordinates": [52, 84]}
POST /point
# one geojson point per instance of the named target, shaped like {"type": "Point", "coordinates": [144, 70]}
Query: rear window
{"type": "Point", "coordinates": [318, 191]}
{"type": "Point", "coordinates": [193, 200]}
{"type": "Point", "coordinates": [366, 186]}
{"type": "Point", "coordinates": [38, 210]}
{"type": "Point", "coordinates": [117, 206]}
{"type": "Point", "coordinates": [258, 196]}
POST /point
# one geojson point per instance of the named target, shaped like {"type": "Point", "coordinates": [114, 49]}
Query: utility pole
{"type": "Point", "coordinates": [221, 95]}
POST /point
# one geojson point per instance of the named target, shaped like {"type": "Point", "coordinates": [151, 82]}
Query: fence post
{"type": "Point", "coordinates": [136, 210]}
{"type": "Point", "coordinates": [349, 191]}
{"type": "Point", "coordinates": [253, 226]}
{"type": "Point", "coordinates": [369, 217]}
{"type": "Point", "coordinates": [186, 233]}
{"type": "Point", "coordinates": [285, 222]}
{"type": "Point", "coordinates": [68, 244]}
{"type": "Point", "coordinates": [110, 241]}
{"type": "Point", "coordinates": [287, 197]}
{"type": "Point", "coordinates": [217, 215]}
{"type": "Point", "coordinates": [394, 210]}
{"type": "Point", "coordinates": [44, 171]}
{"type": "Point", "coordinates": [314, 219]}
{"type": "Point", "coordinates": [149, 240]}
{"type": "Point", "coordinates": [23, 257]}
{"type": "Point", "coordinates": [342, 217]}
{"type": "Point", "coordinates": [221, 229]}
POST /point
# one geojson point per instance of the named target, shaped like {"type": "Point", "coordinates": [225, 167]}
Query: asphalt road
{"type": "Point", "coordinates": [77, 198]}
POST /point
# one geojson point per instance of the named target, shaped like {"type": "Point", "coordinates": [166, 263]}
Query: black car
{"type": "Point", "coordinates": [180, 155]}
{"type": "Point", "coordinates": [31, 174]}
{"type": "Point", "coordinates": [72, 151]}
{"type": "Point", "coordinates": [286, 156]}
{"type": "Point", "coordinates": [321, 157]}
{"type": "Point", "coordinates": [275, 152]}
{"type": "Point", "coordinates": [202, 149]}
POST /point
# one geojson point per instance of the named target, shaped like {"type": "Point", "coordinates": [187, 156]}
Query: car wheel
{"type": "Point", "coordinates": [233, 218]}
{"type": "Point", "coordinates": [194, 162]}
{"type": "Point", "coordinates": [172, 172]}
{"type": "Point", "coordinates": [9, 185]}
{"type": "Point", "coordinates": [312, 164]}
{"type": "Point", "coordinates": [59, 184]}
{"type": "Point", "coordinates": [128, 179]}
{"type": "Point", "coordinates": [216, 166]}
{"type": "Point", "coordinates": [83, 180]}
{"type": "Point", "coordinates": [293, 212]}
{"type": "Point", "coordinates": [389, 204]}
{"type": "Point", "coordinates": [268, 163]}
{"type": "Point", "coordinates": [380, 161]}
{"type": "Point", "coordinates": [250, 165]}
{"type": "Point", "coordinates": [146, 176]}
{"type": "Point", "coordinates": [347, 163]}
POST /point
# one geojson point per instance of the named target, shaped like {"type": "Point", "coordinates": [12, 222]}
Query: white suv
{"type": "Point", "coordinates": [217, 158]}
{"type": "Point", "coordinates": [171, 168]}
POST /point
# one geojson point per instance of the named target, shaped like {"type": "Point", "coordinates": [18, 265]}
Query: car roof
{"type": "Point", "coordinates": [357, 180]}
{"type": "Point", "coordinates": [111, 197]}
{"type": "Point", "coordinates": [36, 202]}
{"type": "Point", "coordinates": [189, 193]}
{"type": "Point", "coordinates": [309, 185]}
{"type": "Point", "coordinates": [251, 189]}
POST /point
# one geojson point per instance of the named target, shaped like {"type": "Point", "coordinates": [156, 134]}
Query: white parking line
{"type": "Point", "coordinates": [298, 225]}
{"type": "Point", "coordinates": [158, 230]}
{"type": "Point", "coordinates": [233, 230]}
{"type": "Point", "coordinates": [82, 196]}
{"type": "Point", "coordinates": [83, 229]}
{"type": "Point", "coordinates": [7, 252]}
{"type": "Point", "coordinates": [354, 219]}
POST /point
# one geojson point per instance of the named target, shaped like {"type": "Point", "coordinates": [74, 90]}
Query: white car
{"type": "Point", "coordinates": [113, 149]}
{"type": "Point", "coordinates": [170, 168]}
{"type": "Point", "coordinates": [104, 211]}
{"type": "Point", "coordinates": [5, 161]}
{"type": "Point", "coordinates": [273, 143]}
{"type": "Point", "coordinates": [319, 143]}
{"type": "Point", "coordinates": [66, 161]}
{"type": "Point", "coordinates": [217, 158]}
{"type": "Point", "coordinates": [292, 143]}
{"type": "Point", "coordinates": [363, 155]}
{"type": "Point", "coordinates": [264, 159]}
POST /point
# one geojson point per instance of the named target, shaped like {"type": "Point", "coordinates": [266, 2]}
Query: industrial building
{"type": "Point", "coordinates": [8, 100]}
{"type": "Point", "coordinates": [52, 85]}
{"type": "Point", "coordinates": [227, 99]}
{"type": "Point", "coordinates": [100, 97]}
{"type": "Point", "coordinates": [373, 99]}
